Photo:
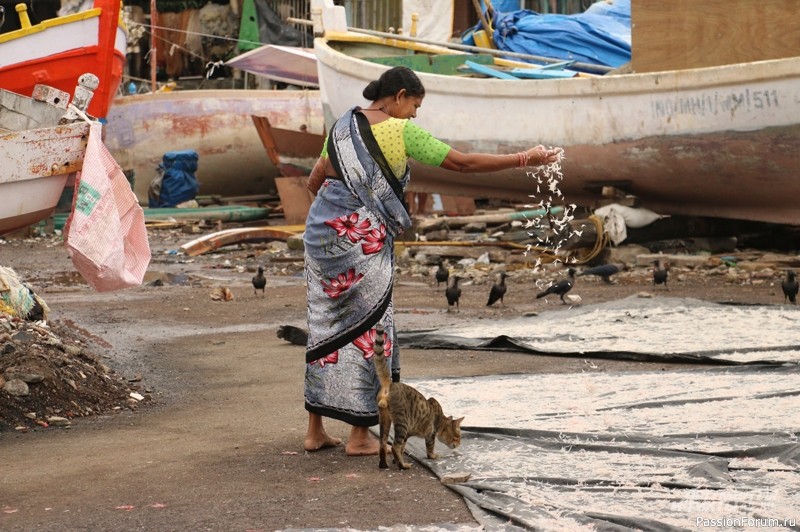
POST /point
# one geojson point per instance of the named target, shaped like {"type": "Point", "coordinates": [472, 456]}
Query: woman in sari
{"type": "Point", "coordinates": [359, 182]}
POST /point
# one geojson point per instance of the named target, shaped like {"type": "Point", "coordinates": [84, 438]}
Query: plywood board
{"type": "Point", "coordinates": [682, 34]}
{"type": "Point", "coordinates": [295, 198]}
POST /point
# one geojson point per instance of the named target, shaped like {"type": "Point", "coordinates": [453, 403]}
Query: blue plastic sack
{"type": "Point", "coordinates": [175, 181]}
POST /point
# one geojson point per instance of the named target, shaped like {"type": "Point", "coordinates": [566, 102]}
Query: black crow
{"type": "Point", "coordinates": [660, 273]}
{"type": "Point", "coordinates": [259, 281]}
{"type": "Point", "coordinates": [561, 287]}
{"type": "Point", "coordinates": [498, 291]}
{"type": "Point", "coordinates": [604, 271]}
{"type": "Point", "coordinates": [790, 287]}
{"type": "Point", "coordinates": [293, 335]}
{"type": "Point", "coordinates": [442, 274]}
{"type": "Point", "coordinates": [453, 293]}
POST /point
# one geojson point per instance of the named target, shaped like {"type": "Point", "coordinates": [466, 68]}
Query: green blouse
{"type": "Point", "coordinates": [400, 140]}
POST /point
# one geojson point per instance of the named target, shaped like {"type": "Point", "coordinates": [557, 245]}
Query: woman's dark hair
{"type": "Point", "coordinates": [392, 81]}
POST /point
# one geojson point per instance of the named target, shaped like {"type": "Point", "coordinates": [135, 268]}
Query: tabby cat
{"type": "Point", "coordinates": [411, 413]}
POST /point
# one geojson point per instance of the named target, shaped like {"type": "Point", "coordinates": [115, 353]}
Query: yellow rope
{"type": "Point", "coordinates": [548, 256]}
{"type": "Point", "coordinates": [599, 244]}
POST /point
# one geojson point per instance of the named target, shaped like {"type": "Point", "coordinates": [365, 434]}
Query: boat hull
{"type": "Point", "coordinates": [58, 51]}
{"type": "Point", "coordinates": [36, 166]}
{"type": "Point", "coordinates": [217, 124]}
{"type": "Point", "coordinates": [719, 141]}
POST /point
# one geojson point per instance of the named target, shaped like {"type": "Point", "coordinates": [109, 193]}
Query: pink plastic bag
{"type": "Point", "coordinates": [105, 232]}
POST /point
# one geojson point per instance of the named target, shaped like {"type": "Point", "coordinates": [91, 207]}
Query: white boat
{"type": "Point", "coordinates": [720, 141]}
{"type": "Point", "coordinates": [218, 124]}
{"type": "Point", "coordinates": [38, 155]}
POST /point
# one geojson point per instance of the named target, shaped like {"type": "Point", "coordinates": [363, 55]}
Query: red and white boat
{"type": "Point", "coordinates": [57, 51]}
{"type": "Point", "coordinates": [42, 146]}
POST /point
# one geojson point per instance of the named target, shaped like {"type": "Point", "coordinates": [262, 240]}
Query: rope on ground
{"type": "Point", "coordinates": [600, 243]}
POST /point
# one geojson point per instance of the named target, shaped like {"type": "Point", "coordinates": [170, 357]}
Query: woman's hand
{"type": "Point", "coordinates": [539, 155]}
{"type": "Point", "coordinates": [317, 176]}
{"type": "Point", "coordinates": [314, 183]}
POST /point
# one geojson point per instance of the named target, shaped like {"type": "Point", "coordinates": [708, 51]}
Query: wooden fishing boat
{"type": "Point", "coordinates": [37, 155]}
{"type": "Point", "coordinates": [218, 124]}
{"type": "Point", "coordinates": [718, 141]}
{"type": "Point", "coordinates": [57, 51]}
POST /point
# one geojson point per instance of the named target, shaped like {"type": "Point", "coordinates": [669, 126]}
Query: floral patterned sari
{"type": "Point", "coordinates": [349, 258]}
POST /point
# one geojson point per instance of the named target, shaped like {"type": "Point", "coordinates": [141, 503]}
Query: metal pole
{"type": "Point", "coordinates": [153, 58]}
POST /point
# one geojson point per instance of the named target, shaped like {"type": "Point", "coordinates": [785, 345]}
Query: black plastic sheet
{"type": "Point", "coordinates": [659, 329]}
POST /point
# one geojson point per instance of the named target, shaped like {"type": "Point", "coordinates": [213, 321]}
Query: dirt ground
{"type": "Point", "coordinates": [215, 443]}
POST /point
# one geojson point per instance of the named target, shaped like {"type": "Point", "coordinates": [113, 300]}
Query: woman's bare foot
{"type": "Point", "coordinates": [316, 437]}
{"type": "Point", "coordinates": [313, 443]}
{"type": "Point", "coordinates": [363, 443]}
{"type": "Point", "coordinates": [369, 448]}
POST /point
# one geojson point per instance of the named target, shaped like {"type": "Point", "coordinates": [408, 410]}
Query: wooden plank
{"type": "Point", "coordinates": [683, 34]}
{"type": "Point", "coordinates": [535, 73]}
{"type": "Point", "coordinates": [488, 71]}
{"type": "Point", "coordinates": [295, 198]}
{"type": "Point", "coordinates": [227, 237]}
{"type": "Point", "coordinates": [264, 130]}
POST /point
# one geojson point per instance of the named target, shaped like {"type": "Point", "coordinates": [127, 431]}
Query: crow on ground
{"type": "Point", "coordinates": [790, 287]}
{"type": "Point", "coordinates": [498, 291]}
{"type": "Point", "coordinates": [604, 271]}
{"type": "Point", "coordinates": [561, 287]}
{"type": "Point", "coordinates": [293, 335]}
{"type": "Point", "coordinates": [660, 273]}
{"type": "Point", "coordinates": [442, 274]}
{"type": "Point", "coordinates": [453, 293]}
{"type": "Point", "coordinates": [259, 281]}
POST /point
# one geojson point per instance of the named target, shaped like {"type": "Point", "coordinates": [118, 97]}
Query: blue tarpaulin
{"type": "Point", "coordinates": [601, 35]}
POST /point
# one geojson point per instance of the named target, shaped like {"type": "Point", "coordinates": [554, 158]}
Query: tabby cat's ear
{"type": "Point", "coordinates": [458, 421]}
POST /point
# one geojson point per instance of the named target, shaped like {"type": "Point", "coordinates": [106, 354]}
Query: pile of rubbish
{"type": "Point", "coordinates": [48, 374]}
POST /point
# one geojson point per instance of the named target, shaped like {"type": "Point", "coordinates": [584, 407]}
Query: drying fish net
{"type": "Point", "coordinates": [16, 298]}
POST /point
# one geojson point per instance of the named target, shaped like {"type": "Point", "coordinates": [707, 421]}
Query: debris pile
{"type": "Point", "coordinates": [48, 376]}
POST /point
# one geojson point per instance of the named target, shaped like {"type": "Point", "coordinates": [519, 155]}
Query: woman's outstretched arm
{"type": "Point", "coordinates": [489, 162]}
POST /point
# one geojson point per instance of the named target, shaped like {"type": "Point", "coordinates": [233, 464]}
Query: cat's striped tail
{"type": "Point", "coordinates": [381, 368]}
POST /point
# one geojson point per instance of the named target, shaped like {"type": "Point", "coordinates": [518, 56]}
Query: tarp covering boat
{"type": "Point", "coordinates": [601, 35]}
